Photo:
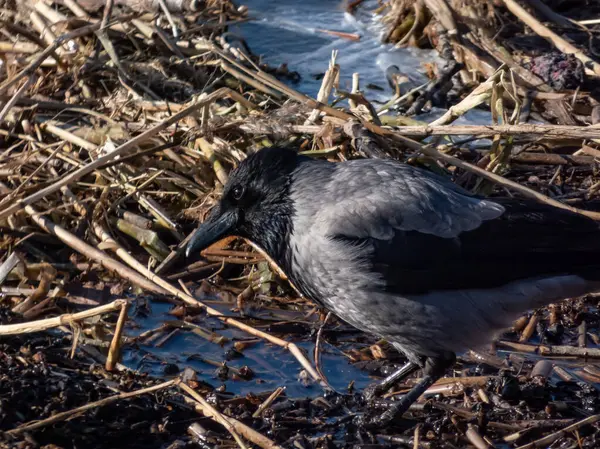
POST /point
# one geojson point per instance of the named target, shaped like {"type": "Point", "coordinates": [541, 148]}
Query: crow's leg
{"type": "Point", "coordinates": [435, 367]}
{"type": "Point", "coordinates": [379, 388]}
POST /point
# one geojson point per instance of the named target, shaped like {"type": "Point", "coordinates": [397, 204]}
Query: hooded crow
{"type": "Point", "coordinates": [405, 254]}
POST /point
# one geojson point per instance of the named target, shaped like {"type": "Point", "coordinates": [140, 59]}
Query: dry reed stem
{"type": "Point", "coordinates": [52, 15]}
{"type": "Point", "coordinates": [417, 437]}
{"type": "Point", "coordinates": [325, 90]}
{"type": "Point", "coordinates": [40, 25]}
{"type": "Point", "coordinates": [317, 351]}
{"type": "Point", "coordinates": [115, 345]}
{"type": "Point", "coordinates": [443, 13]}
{"type": "Point", "coordinates": [18, 47]}
{"type": "Point", "coordinates": [69, 137]}
{"type": "Point", "coordinates": [62, 416]}
{"type": "Point", "coordinates": [207, 150]}
{"type": "Point", "coordinates": [479, 95]}
{"type": "Point", "coordinates": [454, 388]}
{"type": "Point", "coordinates": [248, 80]}
{"type": "Point", "coordinates": [47, 275]}
{"type": "Point", "coordinates": [77, 10]}
{"type": "Point", "coordinates": [247, 432]}
{"type": "Point", "coordinates": [267, 402]}
{"type": "Point", "coordinates": [10, 103]}
{"type": "Point", "coordinates": [173, 255]}
{"type": "Point", "coordinates": [475, 438]}
{"type": "Point", "coordinates": [529, 329]}
{"type": "Point", "coordinates": [67, 318]}
{"type": "Point", "coordinates": [213, 413]}
{"type": "Point", "coordinates": [148, 239]}
{"type": "Point", "coordinates": [591, 66]}
{"type": "Point", "coordinates": [418, 6]}
{"type": "Point", "coordinates": [550, 350]}
{"type": "Point", "coordinates": [448, 386]}
{"type": "Point", "coordinates": [534, 130]}
{"type": "Point", "coordinates": [545, 441]}
{"type": "Point", "coordinates": [8, 265]}
{"type": "Point", "coordinates": [69, 195]}
{"type": "Point", "coordinates": [500, 180]}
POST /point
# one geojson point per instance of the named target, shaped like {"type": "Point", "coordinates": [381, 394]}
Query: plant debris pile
{"type": "Point", "coordinates": [120, 122]}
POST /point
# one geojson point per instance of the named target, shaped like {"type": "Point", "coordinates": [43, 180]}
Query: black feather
{"type": "Point", "coordinates": [529, 240]}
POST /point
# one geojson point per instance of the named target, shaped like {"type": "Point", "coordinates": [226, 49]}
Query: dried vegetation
{"type": "Point", "coordinates": [119, 124]}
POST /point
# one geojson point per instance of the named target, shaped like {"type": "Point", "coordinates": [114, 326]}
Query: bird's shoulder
{"type": "Point", "coordinates": [373, 198]}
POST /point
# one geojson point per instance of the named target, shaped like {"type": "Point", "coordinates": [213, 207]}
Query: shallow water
{"type": "Point", "coordinates": [286, 32]}
{"type": "Point", "coordinates": [272, 366]}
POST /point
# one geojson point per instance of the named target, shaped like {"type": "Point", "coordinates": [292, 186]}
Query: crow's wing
{"type": "Point", "coordinates": [421, 233]}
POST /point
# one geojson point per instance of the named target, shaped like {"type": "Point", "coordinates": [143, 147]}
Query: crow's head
{"type": "Point", "coordinates": [255, 203]}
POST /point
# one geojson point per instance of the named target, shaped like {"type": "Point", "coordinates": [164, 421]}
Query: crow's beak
{"type": "Point", "coordinates": [217, 226]}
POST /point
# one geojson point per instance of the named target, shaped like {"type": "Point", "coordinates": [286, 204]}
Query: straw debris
{"type": "Point", "coordinates": [120, 122]}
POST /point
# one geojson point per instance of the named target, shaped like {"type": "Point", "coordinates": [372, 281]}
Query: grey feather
{"type": "Point", "coordinates": [375, 199]}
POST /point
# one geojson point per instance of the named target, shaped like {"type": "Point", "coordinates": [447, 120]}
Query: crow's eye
{"type": "Point", "coordinates": [237, 192]}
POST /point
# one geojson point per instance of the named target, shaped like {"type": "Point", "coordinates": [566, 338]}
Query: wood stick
{"type": "Point", "coordinates": [48, 323]}
{"type": "Point", "coordinates": [545, 131]}
{"type": "Point", "coordinates": [205, 408]}
{"type": "Point", "coordinates": [10, 103]}
{"type": "Point", "coordinates": [529, 329]}
{"type": "Point", "coordinates": [8, 265]}
{"type": "Point", "coordinates": [213, 413]}
{"type": "Point", "coordinates": [115, 344]}
{"type": "Point", "coordinates": [76, 411]}
{"type": "Point", "coordinates": [545, 441]}
{"type": "Point", "coordinates": [267, 402]}
{"type": "Point", "coordinates": [475, 438]}
{"type": "Point", "coordinates": [546, 350]}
